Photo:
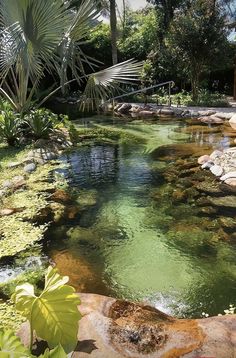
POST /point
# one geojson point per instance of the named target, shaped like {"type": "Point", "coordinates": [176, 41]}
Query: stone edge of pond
{"type": "Point", "coordinates": [117, 329]}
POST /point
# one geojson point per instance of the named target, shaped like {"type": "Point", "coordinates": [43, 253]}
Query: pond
{"type": "Point", "coordinates": [137, 240]}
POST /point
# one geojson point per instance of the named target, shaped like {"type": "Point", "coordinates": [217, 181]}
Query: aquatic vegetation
{"type": "Point", "coordinates": [9, 317]}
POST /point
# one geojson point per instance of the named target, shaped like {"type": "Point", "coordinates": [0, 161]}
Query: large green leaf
{"type": "Point", "coordinates": [54, 314]}
{"type": "Point", "coordinates": [57, 352]}
{"type": "Point", "coordinates": [11, 346]}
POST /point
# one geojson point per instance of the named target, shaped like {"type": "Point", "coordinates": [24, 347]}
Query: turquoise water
{"type": "Point", "coordinates": [133, 242]}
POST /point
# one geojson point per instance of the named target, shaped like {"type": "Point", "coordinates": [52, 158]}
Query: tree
{"type": "Point", "coordinates": [166, 10]}
{"type": "Point", "coordinates": [113, 24]}
{"type": "Point", "coordinates": [199, 38]}
{"type": "Point", "coordinates": [41, 36]}
{"type": "Point", "coordinates": [139, 34]}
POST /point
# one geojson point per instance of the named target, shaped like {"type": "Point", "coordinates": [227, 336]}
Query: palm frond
{"type": "Point", "coordinates": [103, 84]}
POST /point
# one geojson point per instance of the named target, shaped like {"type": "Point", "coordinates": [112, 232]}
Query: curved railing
{"type": "Point", "coordinates": [169, 83]}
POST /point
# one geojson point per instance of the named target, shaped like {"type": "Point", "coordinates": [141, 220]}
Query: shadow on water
{"type": "Point", "coordinates": [134, 241]}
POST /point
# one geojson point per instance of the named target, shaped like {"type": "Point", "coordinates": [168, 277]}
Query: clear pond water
{"type": "Point", "coordinates": [133, 241]}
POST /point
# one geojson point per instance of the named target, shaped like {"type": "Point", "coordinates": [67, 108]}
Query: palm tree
{"type": "Point", "coordinates": [44, 36]}
{"type": "Point", "coordinates": [113, 25]}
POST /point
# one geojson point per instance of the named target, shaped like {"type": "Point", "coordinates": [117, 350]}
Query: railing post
{"type": "Point", "coordinates": [170, 94]}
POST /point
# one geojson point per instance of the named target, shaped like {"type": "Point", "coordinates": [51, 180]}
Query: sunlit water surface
{"type": "Point", "coordinates": [124, 245]}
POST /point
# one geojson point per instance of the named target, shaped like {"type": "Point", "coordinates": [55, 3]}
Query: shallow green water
{"type": "Point", "coordinates": [131, 244]}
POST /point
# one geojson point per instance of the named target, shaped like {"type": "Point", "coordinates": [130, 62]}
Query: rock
{"type": "Point", "coordinates": [42, 154]}
{"type": "Point", "coordinates": [216, 154]}
{"type": "Point", "coordinates": [228, 201]}
{"type": "Point", "coordinates": [29, 168]}
{"type": "Point", "coordinates": [135, 109]}
{"type": "Point", "coordinates": [206, 113]}
{"type": "Point", "coordinates": [147, 113]}
{"type": "Point", "coordinates": [112, 328]}
{"type": "Point", "coordinates": [61, 196]}
{"type": "Point", "coordinates": [231, 182]}
{"type": "Point", "coordinates": [7, 184]}
{"type": "Point", "coordinates": [176, 151]}
{"type": "Point", "coordinates": [124, 108]}
{"type": "Point", "coordinates": [178, 196]}
{"type": "Point", "coordinates": [6, 212]}
{"type": "Point", "coordinates": [58, 211]}
{"type": "Point", "coordinates": [223, 115]}
{"type": "Point", "coordinates": [229, 175]}
{"type": "Point", "coordinates": [203, 159]}
{"type": "Point", "coordinates": [10, 211]}
{"type": "Point", "coordinates": [13, 165]}
{"type": "Point", "coordinates": [3, 193]}
{"type": "Point", "coordinates": [233, 119]}
{"type": "Point", "coordinates": [228, 222]}
{"type": "Point", "coordinates": [167, 112]}
{"type": "Point", "coordinates": [207, 165]}
{"type": "Point", "coordinates": [217, 170]}
{"type": "Point", "coordinates": [211, 119]}
{"type": "Point", "coordinates": [208, 187]}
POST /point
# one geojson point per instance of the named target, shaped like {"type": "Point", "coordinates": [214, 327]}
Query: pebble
{"type": "Point", "coordinates": [29, 168]}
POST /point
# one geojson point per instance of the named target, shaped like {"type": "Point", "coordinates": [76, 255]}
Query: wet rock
{"type": "Point", "coordinates": [221, 235]}
{"type": "Point", "coordinates": [61, 196]}
{"type": "Point", "coordinates": [208, 210]}
{"type": "Point", "coordinates": [211, 119]}
{"type": "Point", "coordinates": [58, 211]}
{"type": "Point", "coordinates": [87, 198]}
{"type": "Point", "coordinates": [174, 151]}
{"type": "Point", "coordinates": [147, 113]}
{"type": "Point", "coordinates": [167, 112]}
{"type": "Point", "coordinates": [112, 328]}
{"type": "Point", "coordinates": [208, 187]}
{"type": "Point", "coordinates": [207, 113]}
{"type": "Point", "coordinates": [224, 116]}
{"type": "Point", "coordinates": [124, 108]}
{"type": "Point", "coordinates": [217, 170]}
{"type": "Point", "coordinates": [228, 222]}
{"type": "Point", "coordinates": [203, 159]}
{"type": "Point", "coordinates": [29, 168]}
{"type": "Point", "coordinates": [178, 195]}
{"type": "Point", "coordinates": [228, 201]}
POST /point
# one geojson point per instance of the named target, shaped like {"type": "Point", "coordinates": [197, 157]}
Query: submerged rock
{"type": "Point", "coordinates": [175, 151]}
{"type": "Point", "coordinates": [224, 201]}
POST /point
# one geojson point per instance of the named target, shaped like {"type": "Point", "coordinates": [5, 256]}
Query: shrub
{"type": "Point", "coordinates": [9, 127]}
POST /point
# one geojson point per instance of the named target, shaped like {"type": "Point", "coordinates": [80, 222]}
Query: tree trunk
{"type": "Point", "coordinates": [195, 86]}
{"type": "Point", "coordinates": [113, 25]}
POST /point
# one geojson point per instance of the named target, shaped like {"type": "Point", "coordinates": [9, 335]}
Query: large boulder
{"type": "Point", "coordinates": [113, 328]}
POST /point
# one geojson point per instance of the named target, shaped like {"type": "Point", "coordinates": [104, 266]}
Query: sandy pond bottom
{"type": "Point", "coordinates": [145, 236]}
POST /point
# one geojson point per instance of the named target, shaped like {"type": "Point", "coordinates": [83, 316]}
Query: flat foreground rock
{"type": "Point", "coordinates": [116, 329]}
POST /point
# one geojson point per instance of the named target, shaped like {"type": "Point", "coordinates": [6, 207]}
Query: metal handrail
{"type": "Point", "coordinates": [170, 83]}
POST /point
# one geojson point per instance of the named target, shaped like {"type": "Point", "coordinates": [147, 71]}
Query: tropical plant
{"type": "Point", "coordinates": [39, 37]}
{"type": "Point", "coordinates": [11, 347]}
{"type": "Point", "coordinates": [9, 127]}
{"type": "Point", "coordinates": [54, 314]}
{"type": "Point", "coordinates": [40, 123]}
